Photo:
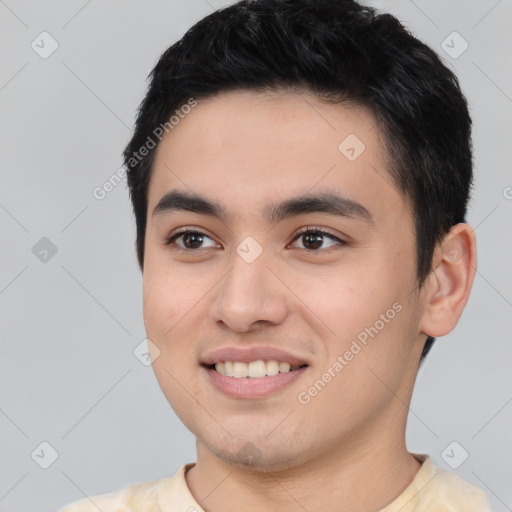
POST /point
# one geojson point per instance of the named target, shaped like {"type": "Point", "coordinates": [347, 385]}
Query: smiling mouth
{"type": "Point", "coordinates": [253, 370]}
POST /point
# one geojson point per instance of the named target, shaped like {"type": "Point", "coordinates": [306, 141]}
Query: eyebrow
{"type": "Point", "coordinates": [326, 202]}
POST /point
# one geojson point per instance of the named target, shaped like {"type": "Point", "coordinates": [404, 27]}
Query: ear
{"type": "Point", "coordinates": [448, 285]}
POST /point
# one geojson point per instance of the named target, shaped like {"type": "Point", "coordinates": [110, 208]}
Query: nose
{"type": "Point", "coordinates": [249, 296]}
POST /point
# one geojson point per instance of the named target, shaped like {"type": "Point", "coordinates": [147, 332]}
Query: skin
{"type": "Point", "coordinates": [244, 149]}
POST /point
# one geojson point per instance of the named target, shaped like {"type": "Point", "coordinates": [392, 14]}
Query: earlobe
{"type": "Point", "coordinates": [450, 282]}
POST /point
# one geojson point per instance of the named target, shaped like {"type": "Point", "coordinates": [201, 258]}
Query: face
{"type": "Point", "coordinates": [281, 301]}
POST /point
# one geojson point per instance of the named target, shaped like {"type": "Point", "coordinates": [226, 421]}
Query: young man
{"type": "Point", "coordinates": [299, 174]}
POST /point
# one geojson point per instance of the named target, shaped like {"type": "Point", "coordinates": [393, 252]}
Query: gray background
{"type": "Point", "coordinates": [71, 321]}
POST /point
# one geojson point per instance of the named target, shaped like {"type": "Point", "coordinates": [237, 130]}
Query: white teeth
{"type": "Point", "coordinates": [284, 367]}
{"type": "Point", "coordinates": [257, 369]}
{"type": "Point", "coordinates": [241, 370]}
{"type": "Point", "coordinates": [254, 369]}
{"type": "Point", "coordinates": [230, 369]}
{"type": "Point", "coordinates": [272, 367]}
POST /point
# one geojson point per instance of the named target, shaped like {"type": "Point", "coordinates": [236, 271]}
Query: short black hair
{"type": "Point", "coordinates": [340, 51]}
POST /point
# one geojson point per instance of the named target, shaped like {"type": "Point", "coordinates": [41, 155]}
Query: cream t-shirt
{"type": "Point", "coordinates": [432, 490]}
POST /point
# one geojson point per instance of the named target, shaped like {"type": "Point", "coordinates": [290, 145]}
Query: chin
{"type": "Point", "coordinates": [260, 455]}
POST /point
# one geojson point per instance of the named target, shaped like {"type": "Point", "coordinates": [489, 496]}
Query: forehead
{"type": "Point", "coordinates": [242, 147]}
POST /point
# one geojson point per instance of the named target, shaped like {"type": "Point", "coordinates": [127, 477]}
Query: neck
{"type": "Point", "coordinates": [355, 477]}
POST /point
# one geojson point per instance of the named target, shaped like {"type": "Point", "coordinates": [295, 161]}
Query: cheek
{"type": "Point", "coordinates": [173, 310]}
{"type": "Point", "coordinates": [346, 301]}
{"type": "Point", "coordinates": [366, 310]}
{"type": "Point", "coordinates": [159, 306]}
{"type": "Point", "coordinates": [175, 384]}
{"type": "Point", "coordinates": [167, 297]}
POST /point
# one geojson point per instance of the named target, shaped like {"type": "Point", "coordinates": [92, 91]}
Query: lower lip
{"type": "Point", "coordinates": [250, 388]}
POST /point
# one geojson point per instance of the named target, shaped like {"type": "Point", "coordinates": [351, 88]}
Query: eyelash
{"type": "Point", "coordinates": [306, 230]}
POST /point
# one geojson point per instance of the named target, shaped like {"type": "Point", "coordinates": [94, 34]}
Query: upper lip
{"type": "Point", "coordinates": [249, 354]}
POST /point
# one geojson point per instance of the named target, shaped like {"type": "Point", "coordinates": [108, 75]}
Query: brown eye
{"type": "Point", "coordinates": [190, 239]}
{"type": "Point", "coordinates": [314, 239]}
